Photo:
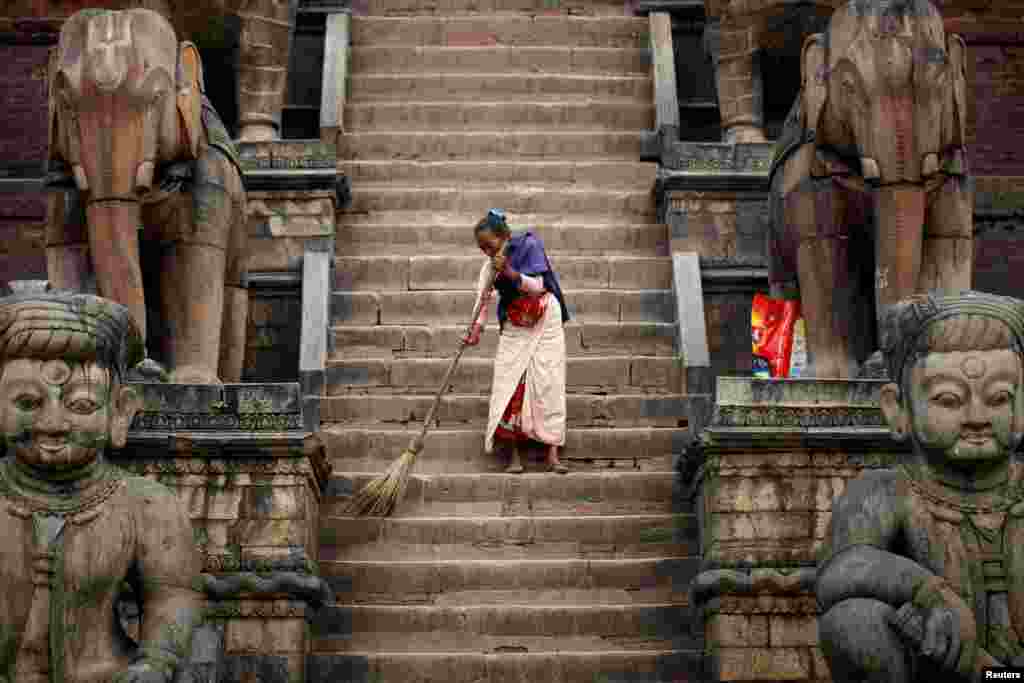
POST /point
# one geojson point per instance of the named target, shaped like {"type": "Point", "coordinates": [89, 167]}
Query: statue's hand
{"type": "Point", "coordinates": [142, 672]}
{"type": "Point", "coordinates": [941, 641]}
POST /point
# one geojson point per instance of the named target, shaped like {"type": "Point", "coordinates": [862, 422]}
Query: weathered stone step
{"type": "Point", "coordinates": [461, 450]}
{"type": "Point", "coordinates": [618, 174]}
{"type": "Point", "coordinates": [581, 339]}
{"type": "Point", "coordinates": [474, 87]}
{"type": "Point", "coordinates": [501, 29]}
{"type": "Point", "coordinates": [516, 221]}
{"type": "Point", "coordinates": [416, 273]}
{"type": "Point", "coordinates": [455, 307]}
{"type": "Point", "coordinates": [409, 115]}
{"type": "Point", "coordinates": [634, 205]}
{"type": "Point", "coordinates": [584, 493]}
{"type": "Point", "coordinates": [619, 410]}
{"type": "Point", "coordinates": [485, 537]}
{"type": "Point", "coordinates": [564, 145]}
{"type": "Point", "coordinates": [500, 59]}
{"type": "Point", "coordinates": [474, 374]}
{"type": "Point", "coordinates": [495, 628]}
{"type": "Point", "coordinates": [483, 582]}
{"type": "Point", "coordinates": [539, 667]}
{"type": "Point", "coordinates": [642, 239]}
{"type": "Point", "coordinates": [448, 7]}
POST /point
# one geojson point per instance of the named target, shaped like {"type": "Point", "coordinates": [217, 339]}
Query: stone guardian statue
{"type": "Point", "coordinates": [75, 527]}
{"type": "Point", "coordinates": [921, 576]}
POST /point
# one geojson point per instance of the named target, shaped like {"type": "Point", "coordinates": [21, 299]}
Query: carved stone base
{"type": "Point", "coordinates": [765, 473]}
{"type": "Point", "coordinates": [250, 477]}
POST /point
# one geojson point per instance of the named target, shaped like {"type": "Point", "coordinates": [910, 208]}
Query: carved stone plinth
{"type": "Point", "coordinates": [251, 478]}
{"type": "Point", "coordinates": [765, 473]}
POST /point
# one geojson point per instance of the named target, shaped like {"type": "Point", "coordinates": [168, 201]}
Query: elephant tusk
{"type": "Point", "coordinates": [144, 177]}
{"type": "Point", "coordinates": [80, 180]}
{"type": "Point", "coordinates": [869, 168]}
{"type": "Point", "coordinates": [930, 164]}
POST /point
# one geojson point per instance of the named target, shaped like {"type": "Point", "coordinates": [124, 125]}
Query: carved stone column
{"type": "Point", "coordinates": [266, 28]}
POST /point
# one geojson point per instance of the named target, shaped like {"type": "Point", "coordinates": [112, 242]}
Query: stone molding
{"type": "Point", "coordinates": [307, 588]}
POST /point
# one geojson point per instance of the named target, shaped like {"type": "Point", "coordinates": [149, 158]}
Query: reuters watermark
{"type": "Point", "coordinates": [1011, 673]}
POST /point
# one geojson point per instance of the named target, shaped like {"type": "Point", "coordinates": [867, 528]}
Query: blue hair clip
{"type": "Point", "coordinates": [495, 218]}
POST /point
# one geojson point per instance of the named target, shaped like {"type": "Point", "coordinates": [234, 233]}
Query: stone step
{"type": "Point", "coordinates": [581, 339]}
{"type": "Point", "coordinates": [483, 116]}
{"type": "Point", "coordinates": [474, 374]}
{"type": "Point", "coordinates": [461, 450]}
{"type": "Point", "coordinates": [490, 582]}
{"type": "Point", "coordinates": [634, 205]}
{"type": "Point", "coordinates": [516, 495]}
{"type": "Point", "coordinates": [448, 217]}
{"type": "Point", "coordinates": [427, 146]}
{"type": "Point", "coordinates": [418, 273]}
{"type": "Point", "coordinates": [484, 537]}
{"type": "Point", "coordinates": [501, 29]}
{"type": "Point", "coordinates": [500, 59]}
{"type": "Point", "coordinates": [618, 174]}
{"type": "Point", "coordinates": [630, 666]}
{"type": "Point", "coordinates": [474, 87]}
{"type": "Point", "coordinates": [620, 410]}
{"type": "Point", "coordinates": [450, 7]}
{"type": "Point", "coordinates": [452, 307]}
{"type": "Point", "coordinates": [641, 239]}
{"type": "Point", "coordinates": [495, 628]}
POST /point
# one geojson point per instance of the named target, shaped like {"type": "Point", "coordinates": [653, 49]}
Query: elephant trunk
{"type": "Point", "coordinates": [113, 226]}
{"type": "Point", "coordinates": [899, 226]}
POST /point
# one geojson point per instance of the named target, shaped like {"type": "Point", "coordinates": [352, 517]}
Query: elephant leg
{"type": "Point", "coordinates": [193, 275]}
{"type": "Point", "coordinates": [947, 257]}
{"type": "Point", "coordinates": [235, 326]}
{"type": "Point", "coordinates": [817, 209]}
{"type": "Point", "coordinates": [68, 264]}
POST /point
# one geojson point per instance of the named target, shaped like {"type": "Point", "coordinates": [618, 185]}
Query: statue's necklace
{"type": "Point", "coordinates": [1011, 493]}
{"type": "Point", "coordinates": [56, 503]}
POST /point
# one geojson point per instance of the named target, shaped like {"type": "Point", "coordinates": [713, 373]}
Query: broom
{"type": "Point", "coordinates": [380, 496]}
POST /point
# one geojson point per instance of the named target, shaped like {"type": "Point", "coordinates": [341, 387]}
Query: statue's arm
{"type": "Point", "coordinates": [168, 564]}
{"type": "Point", "coordinates": [857, 559]}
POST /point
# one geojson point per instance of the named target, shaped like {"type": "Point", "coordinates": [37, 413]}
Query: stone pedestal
{"type": "Point", "coordinates": [293, 192]}
{"type": "Point", "coordinates": [774, 456]}
{"type": "Point", "coordinates": [251, 478]}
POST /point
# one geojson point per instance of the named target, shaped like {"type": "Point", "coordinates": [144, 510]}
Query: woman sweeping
{"type": "Point", "coordinates": [528, 392]}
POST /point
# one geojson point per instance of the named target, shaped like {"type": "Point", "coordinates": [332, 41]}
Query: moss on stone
{"type": "Point", "coordinates": [93, 590]}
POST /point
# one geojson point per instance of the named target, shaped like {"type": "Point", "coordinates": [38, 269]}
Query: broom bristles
{"type": "Point", "coordinates": [380, 496]}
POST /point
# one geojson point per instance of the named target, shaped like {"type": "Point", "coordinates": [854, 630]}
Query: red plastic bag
{"type": "Point", "coordinates": [772, 323]}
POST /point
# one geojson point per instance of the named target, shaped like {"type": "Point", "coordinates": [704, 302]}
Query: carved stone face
{"type": "Point", "coordinates": [963, 405]}
{"type": "Point", "coordinates": [59, 415]}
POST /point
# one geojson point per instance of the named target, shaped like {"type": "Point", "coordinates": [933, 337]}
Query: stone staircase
{"type": "Point", "coordinates": [537, 107]}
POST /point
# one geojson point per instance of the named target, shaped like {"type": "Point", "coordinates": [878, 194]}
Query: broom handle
{"type": "Point", "coordinates": [416, 445]}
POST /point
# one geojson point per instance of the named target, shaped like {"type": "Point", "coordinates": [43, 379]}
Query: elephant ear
{"type": "Point", "coordinates": [813, 79]}
{"type": "Point", "coordinates": [190, 97]}
{"type": "Point", "coordinates": [954, 119]}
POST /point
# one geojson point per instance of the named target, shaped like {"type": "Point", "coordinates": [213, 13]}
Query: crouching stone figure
{"type": "Point", "coordinates": [921, 576]}
{"type": "Point", "coordinates": [74, 528]}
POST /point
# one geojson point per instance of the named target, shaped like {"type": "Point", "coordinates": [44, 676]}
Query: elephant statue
{"type": "Point", "coordinates": [149, 167]}
{"type": "Point", "coordinates": [870, 197]}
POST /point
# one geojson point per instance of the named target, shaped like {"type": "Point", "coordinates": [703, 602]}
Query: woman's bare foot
{"type": "Point", "coordinates": [554, 464]}
{"type": "Point", "coordinates": [515, 462]}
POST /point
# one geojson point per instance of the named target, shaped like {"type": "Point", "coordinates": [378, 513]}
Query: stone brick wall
{"type": "Point", "coordinates": [23, 142]}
